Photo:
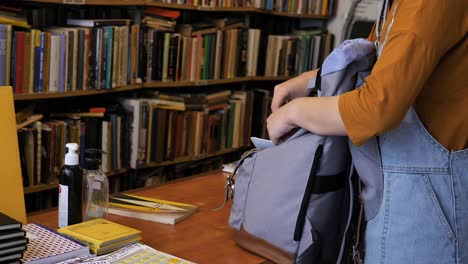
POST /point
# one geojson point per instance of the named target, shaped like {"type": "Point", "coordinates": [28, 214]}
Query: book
{"type": "Point", "coordinates": [156, 210]}
{"type": "Point", "coordinates": [47, 246]}
{"type": "Point", "coordinates": [115, 246]}
{"type": "Point", "coordinates": [135, 253]}
{"type": "Point", "coordinates": [13, 242]}
{"type": "Point", "coordinates": [8, 223]}
{"type": "Point", "coordinates": [99, 232]}
{"type": "Point", "coordinates": [9, 234]}
{"type": "Point", "coordinates": [13, 250]}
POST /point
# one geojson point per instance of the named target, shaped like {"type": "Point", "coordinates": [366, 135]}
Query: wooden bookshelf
{"type": "Point", "coordinates": [41, 96]}
{"type": "Point", "coordinates": [93, 2]}
{"type": "Point", "coordinates": [190, 158]}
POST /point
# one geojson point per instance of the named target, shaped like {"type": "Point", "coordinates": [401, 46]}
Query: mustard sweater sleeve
{"type": "Point", "coordinates": [394, 83]}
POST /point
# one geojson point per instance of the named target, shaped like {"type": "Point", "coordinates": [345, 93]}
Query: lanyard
{"type": "Point", "coordinates": [380, 22]}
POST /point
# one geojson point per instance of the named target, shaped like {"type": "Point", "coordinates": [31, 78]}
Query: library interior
{"type": "Point", "coordinates": [145, 131]}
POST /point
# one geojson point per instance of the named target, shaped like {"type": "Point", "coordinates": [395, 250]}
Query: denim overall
{"type": "Point", "coordinates": [423, 215]}
{"type": "Point", "coordinates": [415, 193]}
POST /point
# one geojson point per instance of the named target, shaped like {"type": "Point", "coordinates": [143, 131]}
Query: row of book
{"type": "Point", "coordinates": [42, 144]}
{"type": "Point", "coordinates": [289, 55]}
{"type": "Point", "coordinates": [208, 54]}
{"type": "Point", "coordinates": [305, 7]}
{"type": "Point", "coordinates": [68, 59]}
{"type": "Point", "coordinates": [141, 132]}
{"type": "Point", "coordinates": [109, 53]}
{"type": "Point", "coordinates": [188, 125]}
{"type": "Point", "coordinates": [300, 7]}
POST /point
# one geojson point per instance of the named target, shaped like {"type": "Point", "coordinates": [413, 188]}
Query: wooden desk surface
{"type": "Point", "coordinates": [204, 237]}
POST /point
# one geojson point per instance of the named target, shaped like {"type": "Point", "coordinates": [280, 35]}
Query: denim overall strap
{"type": "Point", "coordinates": [423, 217]}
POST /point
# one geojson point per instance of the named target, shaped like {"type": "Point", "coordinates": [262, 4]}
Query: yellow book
{"type": "Point", "coordinates": [11, 186]}
{"type": "Point", "coordinates": [98, 233]}
{"type": "Point", "coordinates": [14, 22]}
{"type": "Point", "coordinates": [115, 246]}
{"type": "Point", "coordinates": [156, 210]}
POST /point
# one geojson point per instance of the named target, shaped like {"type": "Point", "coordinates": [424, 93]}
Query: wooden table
{"type": "Point", "coordinates": [204, 237]}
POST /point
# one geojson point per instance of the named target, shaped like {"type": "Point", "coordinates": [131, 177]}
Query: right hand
{"type": "Point", "coordinates": [291, 89]}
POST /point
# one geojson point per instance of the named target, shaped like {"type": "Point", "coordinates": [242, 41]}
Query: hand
{"type": "Point", "coordinates": [291, 89]}
{"type": "Point", "coordinates": [280, 123]}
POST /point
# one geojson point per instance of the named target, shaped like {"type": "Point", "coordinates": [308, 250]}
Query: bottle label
{"type": "Point", "coordinates": [63, 205]}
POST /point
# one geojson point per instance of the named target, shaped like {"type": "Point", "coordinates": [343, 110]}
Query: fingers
{"type": "Point", "coordinates": [279, 97]}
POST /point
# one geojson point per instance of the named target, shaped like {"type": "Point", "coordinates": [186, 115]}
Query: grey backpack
{"type": "Point", "coordinates": [292, 202]}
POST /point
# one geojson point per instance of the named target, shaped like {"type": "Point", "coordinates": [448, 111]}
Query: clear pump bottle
{"type": "Point", "coordinates": [96, 192]}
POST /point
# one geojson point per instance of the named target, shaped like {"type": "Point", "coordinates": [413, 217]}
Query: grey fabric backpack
{"type": "Point", "coordinates": [292, 202]}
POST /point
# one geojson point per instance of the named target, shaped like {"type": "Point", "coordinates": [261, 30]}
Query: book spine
{"type": "Point", "coordinates": [63, 65]}
{"type": "Point", "coordinates": [165, 56]}
{"type": "Point", "coordinates": [69, 48]}
{"type": "Point", "coordinates": [3, 54]}
{"type": "Point", "coordinates": [27, 62]}
{"type": "Point", "coordinates": [18, 61]}
{"type": "Point", "coordinates": [9, 52]}
{"type": "Point", "coordinates": [81, 60]}
{"type": "Point", "coordinates": [40, 77]}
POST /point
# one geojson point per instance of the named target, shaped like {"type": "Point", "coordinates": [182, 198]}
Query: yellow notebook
{"type": "Point", "coordinates": [11, 183]}
{"type": "Point", "coordinates": [150, 209]}
{"type": "Point", "coordinates": [98, 233]}
{"type": "Point", "coordinates": [115, 246]}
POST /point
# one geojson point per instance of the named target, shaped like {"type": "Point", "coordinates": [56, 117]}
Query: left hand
{"type": "Point", "coordinates": [279, 123]}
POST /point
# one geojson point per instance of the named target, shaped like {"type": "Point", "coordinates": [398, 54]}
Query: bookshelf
{"type": "Point", "coordinates": [222, 126]}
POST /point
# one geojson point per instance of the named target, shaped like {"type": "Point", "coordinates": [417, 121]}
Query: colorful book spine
{"type": "Point", "coordinates": [18, 61]}
{"type": "Point", "coordinates": [109, 31]}
{"type": "Point", "coordinates": [81, 59]}
{"type": "Point", "coordinates": [3, 54]}
{"type": "Point", "coordinates": [40, 85]}
{"type": "Point", "coordinates": [63, 65]}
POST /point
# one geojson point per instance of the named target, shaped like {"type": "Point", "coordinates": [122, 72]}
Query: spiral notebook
{"type": "Point", "coordinates": [47, 246]}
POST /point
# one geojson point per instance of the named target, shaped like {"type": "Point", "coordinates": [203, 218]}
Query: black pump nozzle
{"type": "Point", "coordinates": [93, 158]}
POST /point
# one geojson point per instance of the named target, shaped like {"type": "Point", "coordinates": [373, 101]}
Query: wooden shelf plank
{"type": "Point", "coordinates": [93, 2]}
{"type": "Point", "coordinates": [155, 84]}
{"type": "Point", "coordinates": [190, 158]}
{"type": "Point", "coordinates": [178, 7]}
{"type": "Point", "coordinates": [121, 171]}
{"type": "Point", "coordinates": [38, 96]}
{"type": "Point", "coordinates": [51, 186]}
{"type": "Point", "coordinates": [294, 15]}
{"type": "Point", "coordinates": [200, 8]}
{"type": "Point", "coordinates": [40, 188]}
{"type": "Point", "coordinates": [232, 9]}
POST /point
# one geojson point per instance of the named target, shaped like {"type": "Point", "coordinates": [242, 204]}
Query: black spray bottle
{"type": "Point", "coordinates": [70, 189]}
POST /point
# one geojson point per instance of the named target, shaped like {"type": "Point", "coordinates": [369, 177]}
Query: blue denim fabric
{"type": "Point", "coordinates": [423, 217]}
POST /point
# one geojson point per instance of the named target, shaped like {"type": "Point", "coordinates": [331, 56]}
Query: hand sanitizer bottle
{"type": "Point", "coordinates": [70, 188]}
{"type": "Point", "coordinates": [96, 189]}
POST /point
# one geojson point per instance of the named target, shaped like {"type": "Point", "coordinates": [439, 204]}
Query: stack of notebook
{"type": "Point", "coordinates": [13, 240]}
{"type": "Point", "coordinates": [102, 236]}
